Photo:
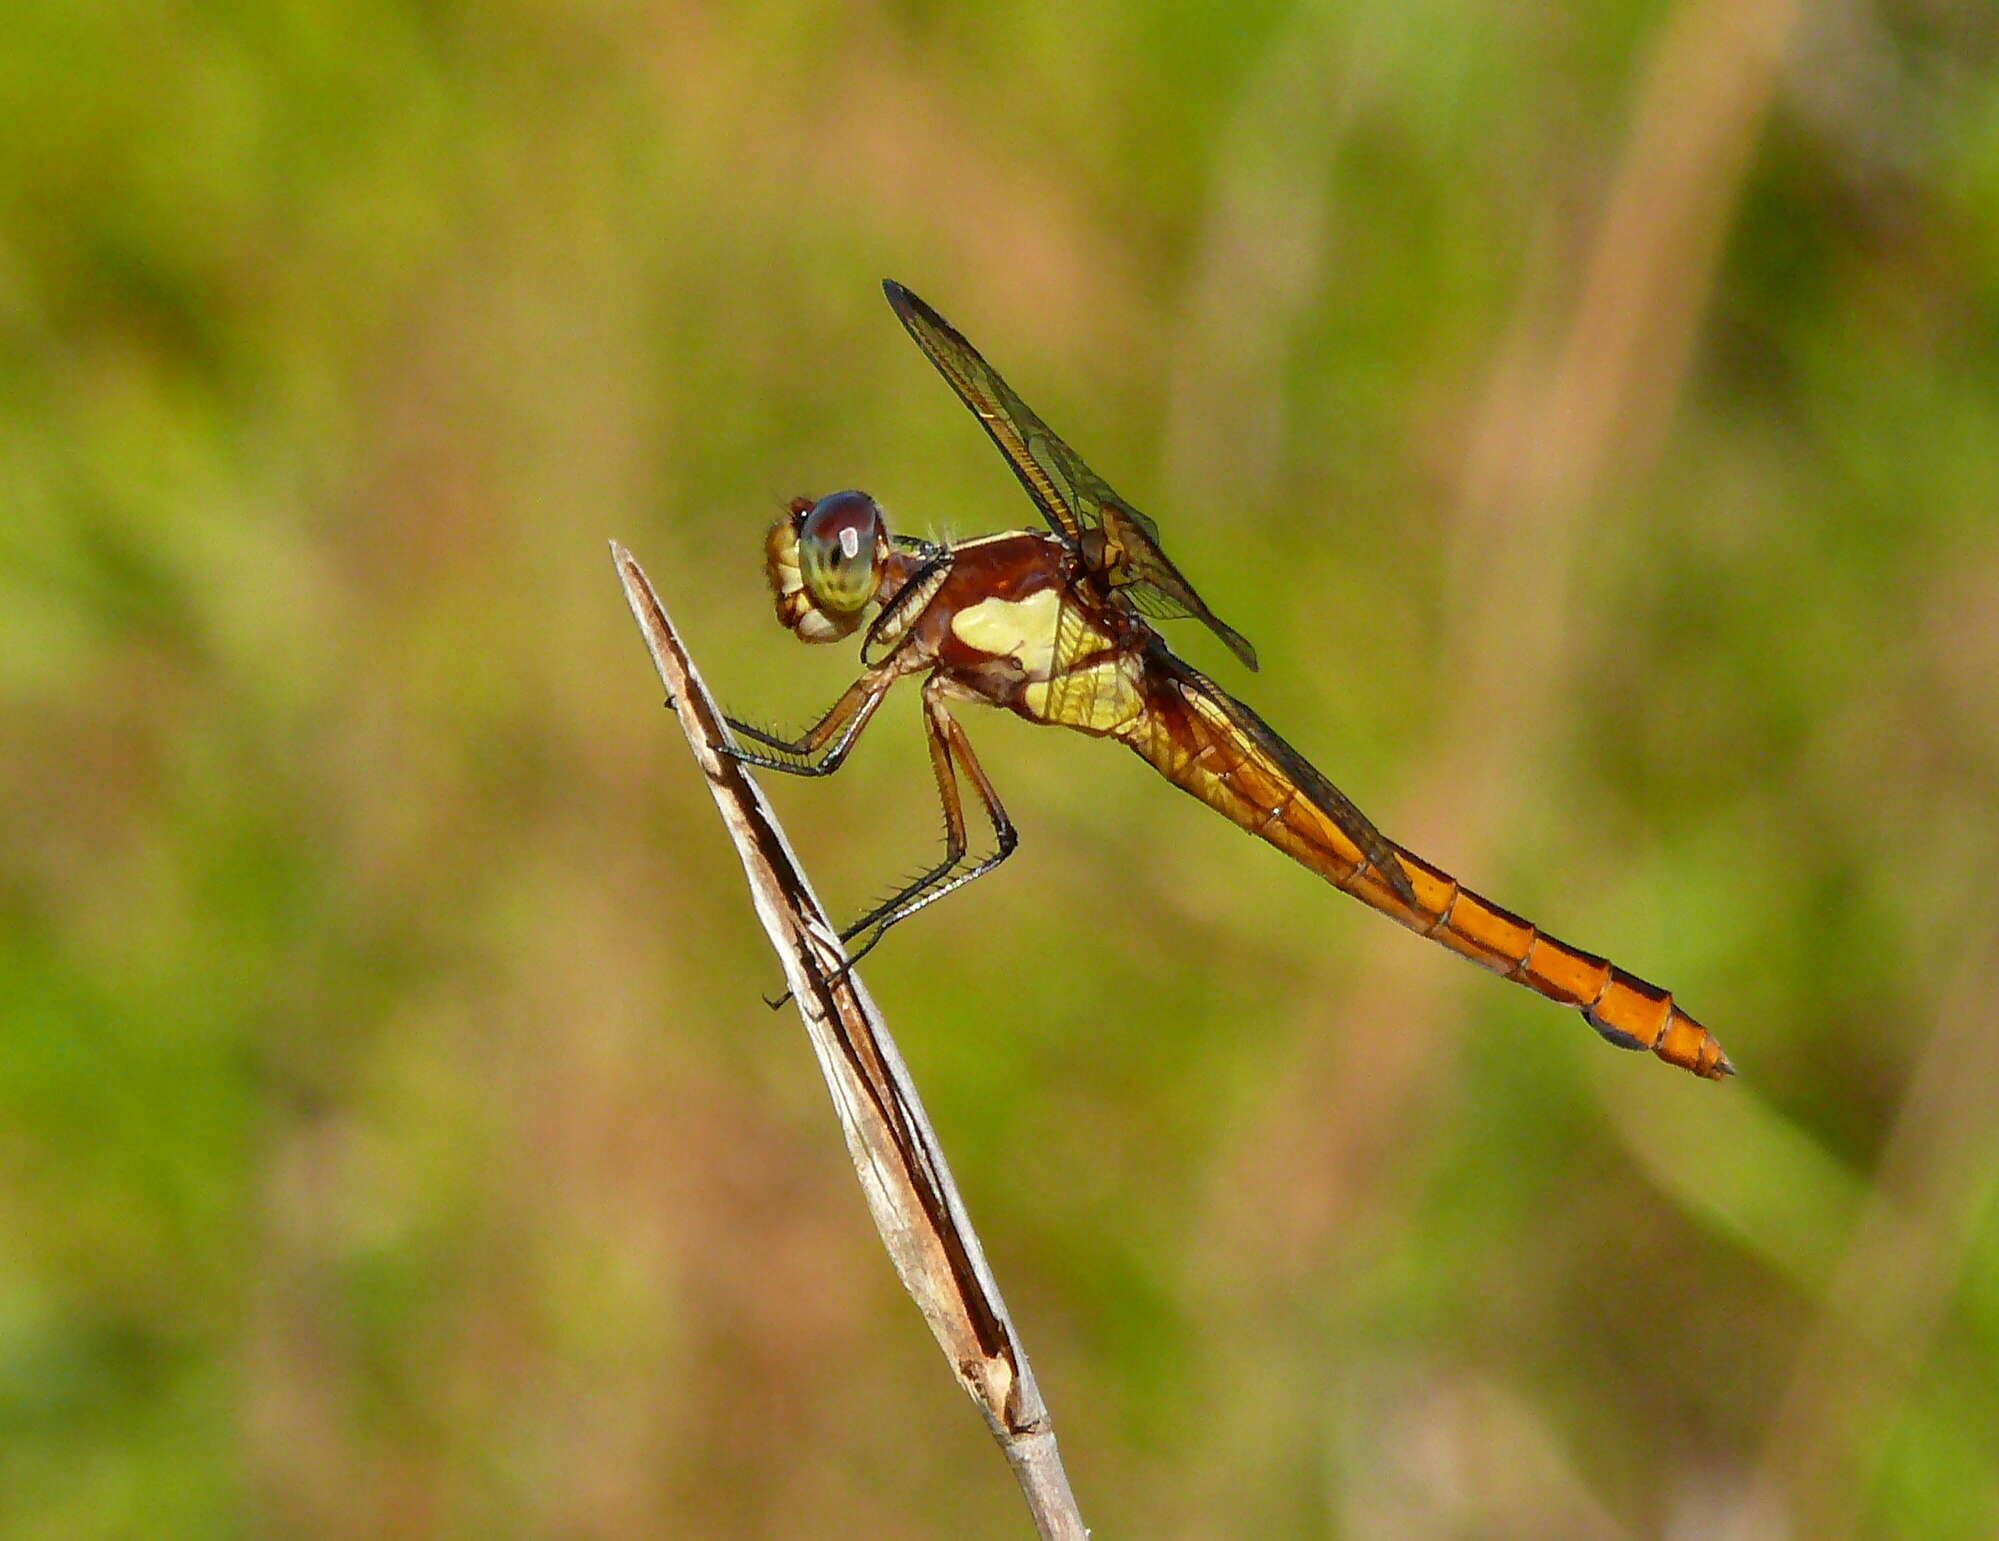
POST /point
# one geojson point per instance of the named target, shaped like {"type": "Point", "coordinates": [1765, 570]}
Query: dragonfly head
{"type": "Point", "coordinates": [825, 563]}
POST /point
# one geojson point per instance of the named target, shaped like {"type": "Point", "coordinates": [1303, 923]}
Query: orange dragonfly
{"type": "Point", "coordinates": [1056, 627]}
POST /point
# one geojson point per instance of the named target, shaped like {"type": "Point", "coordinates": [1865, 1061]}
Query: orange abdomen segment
{"type": "Point", "coordinates": [1627, 1010]}
{"type": "Point", "coordinates": [1192, 742]}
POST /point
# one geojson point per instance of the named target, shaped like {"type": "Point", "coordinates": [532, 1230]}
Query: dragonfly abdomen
{"type": "Point", "coordinates": [1191, 740]}
{"type": "Point", "coordinates": [1629, 1012]}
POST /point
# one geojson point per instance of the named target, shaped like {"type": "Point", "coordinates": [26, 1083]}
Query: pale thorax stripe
{"type": "Point", "coordinates": [1022, 629]}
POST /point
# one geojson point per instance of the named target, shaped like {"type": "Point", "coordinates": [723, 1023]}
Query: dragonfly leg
{"type": "Point", "coordinates": [821, 749]}
{"type": "Point", "coordinates": [950, 752]}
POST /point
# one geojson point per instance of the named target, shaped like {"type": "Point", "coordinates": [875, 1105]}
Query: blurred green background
{"type": "Point", "coordinates": [1591, 410]}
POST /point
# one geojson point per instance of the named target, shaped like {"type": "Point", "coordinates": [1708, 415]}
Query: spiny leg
{"type": "Point", "coordinates": [948, 744]}
{"type": "Point", "coordinates": [822, 748]}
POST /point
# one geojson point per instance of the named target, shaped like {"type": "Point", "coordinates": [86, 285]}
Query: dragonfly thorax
{"type": "Point", "coordinates": [1103, 559]}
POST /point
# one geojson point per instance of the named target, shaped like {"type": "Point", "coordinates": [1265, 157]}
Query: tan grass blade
{"type": "Point", "coordinates": [909, 1191]}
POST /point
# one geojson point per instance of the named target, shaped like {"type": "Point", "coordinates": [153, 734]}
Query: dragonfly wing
{"type": "Point", "coordinates": [1085, 686]}
{"type": "Point", "coordinates": [1073, 499]}
{"type": "Point", "coordinates": [1026, 441]}
{"type": "Point", "coordinates": [1223, 737]}
{"type": "Point", "coordinates": [1168, 596]}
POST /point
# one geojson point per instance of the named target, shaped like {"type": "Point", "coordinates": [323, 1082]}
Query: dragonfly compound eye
{"type": "Point", "coordinates": [837, 548]}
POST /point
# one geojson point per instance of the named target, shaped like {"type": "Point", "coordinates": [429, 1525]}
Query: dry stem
{"type": "Point", "coordinates": [915, 1205]}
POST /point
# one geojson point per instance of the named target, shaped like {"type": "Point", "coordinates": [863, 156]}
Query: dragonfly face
{"type": "Point", "coordinates": [824, 562]}
{"type": "Point", "coordinates": [1056, 627]}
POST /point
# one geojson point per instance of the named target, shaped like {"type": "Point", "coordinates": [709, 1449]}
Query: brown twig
{"type": "Point", "coordinates": [895, 1152]}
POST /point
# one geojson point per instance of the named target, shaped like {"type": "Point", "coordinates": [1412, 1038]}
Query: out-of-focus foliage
{"type": "Point", "coordinates": [1591, 410]}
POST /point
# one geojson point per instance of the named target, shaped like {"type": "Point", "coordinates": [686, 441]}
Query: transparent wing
{"type": "Point", "coordinates": [1217, 714]}
{"type": "Point", "coordinates": [1076, 692]}
{"type": "Point", "coordinates": [1114, 539]}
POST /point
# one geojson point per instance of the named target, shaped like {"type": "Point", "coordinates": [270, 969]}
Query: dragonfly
{"type": "Point", "coordinates": [1056, 626]}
